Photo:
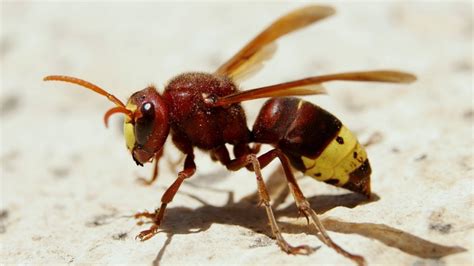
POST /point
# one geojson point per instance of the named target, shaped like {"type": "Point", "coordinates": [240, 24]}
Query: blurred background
{"type": "Point", "coordinates": [68, 185]}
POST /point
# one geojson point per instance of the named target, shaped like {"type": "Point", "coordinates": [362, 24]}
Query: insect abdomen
{"type": "Point", "coordinates": [315, 141]}
{"type": "Point", "coordinates": [343, 163]}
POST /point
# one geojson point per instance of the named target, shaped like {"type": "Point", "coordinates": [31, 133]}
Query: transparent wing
{"type": "Point", "coordinates": [254, 64]}
{"type": "Point", "coordinates": [251, 57]}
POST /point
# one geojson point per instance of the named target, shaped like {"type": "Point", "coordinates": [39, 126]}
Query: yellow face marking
{"type": "Point", "coordinates": [128, 128]}
{"type": "Point", "coordinates": [342, 156]}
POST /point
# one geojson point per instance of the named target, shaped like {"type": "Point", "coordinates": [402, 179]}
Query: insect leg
{"type": "Point", "coordinates": [251, 159]}
{"type": "Point", "coordinates": [304, 206]}
{"type": "Point", "coordinates": [157, 216]}
{"type": "Point", "coordinates": [154, 175]}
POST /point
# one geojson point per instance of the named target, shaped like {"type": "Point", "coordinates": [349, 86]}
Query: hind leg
{"type": "Point", "coordinates": [304, 206]}
{"type": "Point", "coordinates": [251, 161]}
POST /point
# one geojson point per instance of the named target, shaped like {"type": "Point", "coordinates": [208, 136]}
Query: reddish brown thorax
{"type": "Point", "coordinates": [195, 123]}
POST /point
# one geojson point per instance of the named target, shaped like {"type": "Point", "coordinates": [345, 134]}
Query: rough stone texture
{"type": "Point", "coordinates": [68, 189]}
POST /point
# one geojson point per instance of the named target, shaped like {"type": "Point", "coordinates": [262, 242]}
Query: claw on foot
{"type": "Point", "coordinates": [147, 234]}
{"type": "Point", "coordinates": [144, 182]}
{"type": "Point", "coordinates": [302, 213]}
{"type": "Point", "coordinates": [300, 250]}
{"type": "Point", "coordinates": [153, 230]}
{"type": "Point", "coordinates": [146, 214]}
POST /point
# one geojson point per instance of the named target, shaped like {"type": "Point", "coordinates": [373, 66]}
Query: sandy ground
{"type": "Point", "coordinates": [68, 184]}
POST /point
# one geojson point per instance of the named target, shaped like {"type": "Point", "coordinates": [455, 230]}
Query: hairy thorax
{"type": "Point", "coordinates": [195, 122]}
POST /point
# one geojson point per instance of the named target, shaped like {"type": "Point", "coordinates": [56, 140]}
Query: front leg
{"type": "Point", "coordinates": [157, 216]}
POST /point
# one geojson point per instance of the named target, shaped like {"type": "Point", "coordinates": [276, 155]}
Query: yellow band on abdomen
{"type": "Point", "coordinates": [343, 155]}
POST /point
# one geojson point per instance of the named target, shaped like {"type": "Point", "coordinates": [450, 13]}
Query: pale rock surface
{"type": "Point", "coordinates": [67, 184]}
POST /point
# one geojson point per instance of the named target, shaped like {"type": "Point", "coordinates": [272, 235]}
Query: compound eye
{"type": "Point", "coordinates": [145, 124]}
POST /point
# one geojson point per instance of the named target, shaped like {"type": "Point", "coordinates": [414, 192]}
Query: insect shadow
{"type": "Point", "coordinates": [245, 213]}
